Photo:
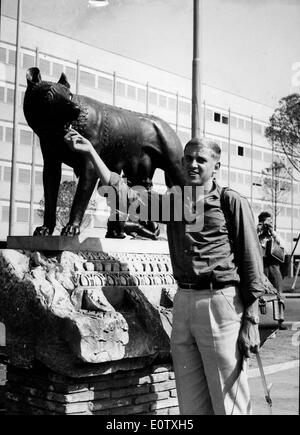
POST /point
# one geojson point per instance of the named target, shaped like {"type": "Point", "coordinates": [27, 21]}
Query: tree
{"type": "Point", "coordinates": [65, 198]}
{"type": "Point", "coordinates": [276, 184]}
{"type": "Point", "coordinates": [284, 129]}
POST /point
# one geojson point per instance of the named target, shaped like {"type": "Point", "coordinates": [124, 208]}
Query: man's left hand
{"type": "Point", "coordinates": [249, 339]}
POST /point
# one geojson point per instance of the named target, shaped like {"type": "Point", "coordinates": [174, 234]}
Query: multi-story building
{"type": "Point", "coordinates": [236, 123]}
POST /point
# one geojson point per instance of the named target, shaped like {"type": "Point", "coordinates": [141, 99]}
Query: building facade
{"type": "Point", "coordinates": [236, 123]}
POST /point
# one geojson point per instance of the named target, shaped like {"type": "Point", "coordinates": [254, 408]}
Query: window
{"type": "Point", "coordinates": [295, 213]}
{"type": "Point", "coordinates": [10, 96]}
{"type": "Point", "coordinates": [38, 178]}
{"type": "Point", "coordinates": [217, 117]}
{"type": "Point", "coordinates": [184, 136]}
{"type": "Point", "coordinates": [38, 220]}
{"type": "Point", "coordinates": [57, 69]}
{"type": "Point", "coordinates": [233, 121]}
{"type": "Point", "coordinates": [71, 73]}
{"type": "Point", "coordinates": [5, 213]}
{"type": "Point", "coordinates": [121, 89]}
{"type": "Point", "coordinates": [240, 178]}
{"type": "Point", "coordinates": [256, 180]}
{"type": "Point", "coordinates": [2, 55]}
{"type": "Point", "coordinates": [25, 137]}
{"type": "Point", "coordinates": [289, 211]}
{"type": "Point", "coordinates": [232, 177]}
{"type": "Point", "coordinates": [268, 157]}
{"type": "Point", "coordinates": [257, 155]}
{"type": "Point", "coordinates": [22, 98]}
{"type": "Point", "coordinates": [8, 134]}
{"type": "Point", "coordinates": [241, 123]}
{"type": "Point", "coordinates": [11, 57]}
{"type": "Point", "coordinates": [131, 92]}
{"type": "Point", "coordinates": [256, 208]}
{"type": "Point", "coordinates": [225, 120]}
{"type": "Point", "coordinates": [172, 104]}
{"type": "Point", "coordinates": [163, 101]}
{"type": "Point", "coordinates": [141, 95]}
{"type": "Point", "coordinates": [22, 214]}
{"type": "Point", "coordinates": [248, 125]}
{"type": "Point", "coordinates": [153, 98]}
{"type": "Point", "coordinates": [233, 149]}
{"type": "Point", "coordinates": [224, 147]}
{"type": "Point", "coordinates": [45, 66]}
{"type": "Point", "coordinates": [1, 133]}
{"type": "Point", "coordinates": [209, 114]}
{"type": "Point", "coordinates": [67, 177]}
{"type": "Point", "coordinates": [247, 152]}
{"type": "Point", "coordinates": [28, 61]}
{"type": "Point", "coordinates": [87, 79]}
{"type": "Point", "coordinates": [247, 179]}
{"type": "Point", "coordinates": [106, 85]}
{"type": "Point", "coordinates": [224, 173]}
{"type": "Point", "coordinates": [184, 107]}
{"type": "Point", "coordinates": [240, 151]}
{"type": "Point", "coordinates": [24, 176]}
{"type": "Point", "coordinates": [257, 128]}
{"type": "Point", "coordinates": [6, 173]}
{"type": "Point", "coordinates": [2, 94]}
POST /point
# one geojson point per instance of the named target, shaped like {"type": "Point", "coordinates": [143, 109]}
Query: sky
{"type": "Point", "coordinates": [248, 46]}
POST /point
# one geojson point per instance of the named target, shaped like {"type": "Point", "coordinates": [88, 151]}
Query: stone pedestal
{"type": "Point", "coordinates": [87, 329]}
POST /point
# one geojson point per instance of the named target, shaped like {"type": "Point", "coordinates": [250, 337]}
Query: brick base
{"type": "Point", "coordinates": [148, 391]}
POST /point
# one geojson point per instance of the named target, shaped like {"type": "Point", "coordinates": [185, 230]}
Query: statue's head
{"type": "Point", "coordinates": [48, 105]}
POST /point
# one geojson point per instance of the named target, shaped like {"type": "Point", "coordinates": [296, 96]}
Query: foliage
{"type": "Point", "coordinates": [276, 184]}
{"type": "Point", "coordinates": [65, 198]}
{"type": "Point", "coordinates": [284, 129]}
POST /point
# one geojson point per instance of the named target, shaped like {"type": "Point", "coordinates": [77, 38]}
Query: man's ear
{"type": "Point", "coordinates": [33, 77]}
{"type": "Point", "coordinates": [64, 81]}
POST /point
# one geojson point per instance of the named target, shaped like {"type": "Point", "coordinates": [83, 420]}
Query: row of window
{"type": "Point", "coordinates": [25, 136]}
{"type": "Point", "coordinates": [235, 121]}
{"type": "Point", "coordinates": [24, 176]}
{"type": "Point", "coordinates": [241, 178]}
{"type": "Point", "coordinates": [22, 215]}
{"type": "Point", "coordinates": [104, 83]}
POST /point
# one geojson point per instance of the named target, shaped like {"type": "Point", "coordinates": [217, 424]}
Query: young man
{"type": "Point", "coordinates": [215, 315]}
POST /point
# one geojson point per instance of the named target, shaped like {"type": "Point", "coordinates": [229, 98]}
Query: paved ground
{"type": "Point", "coordinates": [284, 393]}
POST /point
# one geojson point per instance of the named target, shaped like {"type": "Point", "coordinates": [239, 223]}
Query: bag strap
{"type": "Point", "coordinates": [227, 215]}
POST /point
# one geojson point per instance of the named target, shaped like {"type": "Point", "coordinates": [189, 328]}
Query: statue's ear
{"type": "Point", "coordinates": [33, 77]}
{"type": "Point", "coordinates": [64, 81]}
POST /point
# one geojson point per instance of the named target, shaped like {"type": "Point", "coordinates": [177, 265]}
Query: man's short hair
{"type": "Point", "coordinates": [264, 215]}
{"type": "Point", "coordinates": [206, 143]}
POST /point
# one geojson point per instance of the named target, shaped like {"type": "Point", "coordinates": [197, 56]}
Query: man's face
{"type": "Point", "coordinates": [199, 165]}
{"type": "Point", "coordinates": [268, 221]}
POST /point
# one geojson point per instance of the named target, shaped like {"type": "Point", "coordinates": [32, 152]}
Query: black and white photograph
{"type": "Point", "coordinates": [149, 210]}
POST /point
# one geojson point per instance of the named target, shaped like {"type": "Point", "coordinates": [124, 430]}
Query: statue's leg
{"type": "Point", "coordinates": [51, 182]}
{"type": "Point", "coordinates": [86, 185]}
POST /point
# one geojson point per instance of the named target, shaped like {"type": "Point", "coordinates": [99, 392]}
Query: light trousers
{"type": "Point", "coordinates": [211, 378]}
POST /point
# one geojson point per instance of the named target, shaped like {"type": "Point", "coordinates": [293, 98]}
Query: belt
{"type": "Point", "coordinates": [204, 285]}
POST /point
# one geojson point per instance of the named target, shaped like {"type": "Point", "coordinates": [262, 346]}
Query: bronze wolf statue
{"type": "Point", "coordinates": [131, 142]}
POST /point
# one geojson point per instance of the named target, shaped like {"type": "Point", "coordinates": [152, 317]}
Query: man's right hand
{"type": "Point", "coordinates": [78, 143]}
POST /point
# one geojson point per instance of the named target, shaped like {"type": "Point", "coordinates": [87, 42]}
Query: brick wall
{"type": "Point", "coordinates": [148, 391]}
